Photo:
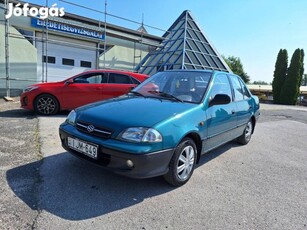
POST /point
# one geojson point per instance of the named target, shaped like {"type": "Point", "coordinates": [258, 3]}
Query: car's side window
{"type": "Point", "coordinates": [116, 78]}
{"type": "Point", "coordinates": [104, 79]}
{"type": "Point", "coordinates": [95, 79]}
{"type": "Point", "coordinates": [246, 92]}
{"type": "Point", "coordinates": [221, 86]}
{"type": "Point", "coordinates": [238, 92]}
{"type": "Point", "coordinates": [90, 79]}
{"type": "Point", "coordinates": [134, 81]}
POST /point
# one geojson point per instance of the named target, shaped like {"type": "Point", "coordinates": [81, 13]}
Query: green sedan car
{"type": "Point", "coordinates": [163, 126]}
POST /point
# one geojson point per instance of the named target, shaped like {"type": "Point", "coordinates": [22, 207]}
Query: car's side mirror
{"type": "Point", "coordinates": [68, 82]}
{"type": "Point", "coordinates": [220, 99]}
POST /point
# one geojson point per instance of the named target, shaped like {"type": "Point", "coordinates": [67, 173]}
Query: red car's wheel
{"type": "Point", "coordinates": [46, 104]}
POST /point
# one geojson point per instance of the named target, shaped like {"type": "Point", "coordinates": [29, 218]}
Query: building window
{"type": "Point", "coordinates": [86, 64]}
{"type": "Point", "coordinates": [49, 59]}
{"type": "Point", "coordinates": [66, 61]}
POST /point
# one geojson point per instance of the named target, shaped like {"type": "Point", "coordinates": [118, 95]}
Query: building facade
{"type": "Point", "coordinates": [59, 47]}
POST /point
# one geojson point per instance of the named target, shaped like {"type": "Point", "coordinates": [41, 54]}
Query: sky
{"type": "Point", "coordinates": [253, 30]}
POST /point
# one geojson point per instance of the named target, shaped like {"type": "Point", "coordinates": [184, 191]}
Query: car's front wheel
{"type": "Point", "coordinates": [182, 163]}
{"type": "Point", "coordinates": [46, 104]}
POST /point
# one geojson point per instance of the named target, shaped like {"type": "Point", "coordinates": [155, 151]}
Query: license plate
{"type": "Point", "coordinates": [83, 147]}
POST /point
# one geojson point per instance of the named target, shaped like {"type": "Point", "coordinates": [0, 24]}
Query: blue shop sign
{"type": "Point", "coordinates": [62, 27]}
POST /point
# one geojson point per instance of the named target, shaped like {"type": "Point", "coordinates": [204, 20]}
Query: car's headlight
{"type": "Point", "coordinates": [71, 118]}
{"type": "Point", "coordinates": [30, 88]}
{"type": "Point", "coordinates": [141, 134]}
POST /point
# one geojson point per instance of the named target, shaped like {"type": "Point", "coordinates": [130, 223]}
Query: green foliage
{"type": "Point", "coordinates": [304, 80]}
{"type": "Point", "coordinates": [236, 66]}
{"type": "Point", "coordinates": [302, 66]}
{"type": "Point", "coordinates": [290, 88]}
{"type": "Point", "coordinates": [280, 74]}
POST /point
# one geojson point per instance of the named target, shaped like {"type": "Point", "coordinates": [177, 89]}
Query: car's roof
{"type": "Point", "coordinates": [189, 70]}
{"type": "Point", "coordinates": [201, 71]}
{"type": "Point", "coordinates": [196, 71]}
{"type": "Point", "coordinates": [112, 71]}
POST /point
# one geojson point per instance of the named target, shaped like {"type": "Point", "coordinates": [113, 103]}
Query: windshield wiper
{"type": "Point", "coordinates": [165, 95]}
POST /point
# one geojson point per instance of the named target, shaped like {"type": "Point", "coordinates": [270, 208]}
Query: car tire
{"type": "Point", "coordinates": [182, 164]}
{"type": "Point", "coordinates": [247, 134]}
{"type": "Point", "coordinates": [46, 104]}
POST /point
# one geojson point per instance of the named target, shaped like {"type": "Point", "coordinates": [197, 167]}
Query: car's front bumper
{"type": "Point", "coordinates": [144, 165]}
{"type": "Point", "coordinates": [26, 101]}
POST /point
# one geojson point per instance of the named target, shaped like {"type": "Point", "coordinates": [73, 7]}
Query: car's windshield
{"type": "Point", "coordinates": [187, 86]}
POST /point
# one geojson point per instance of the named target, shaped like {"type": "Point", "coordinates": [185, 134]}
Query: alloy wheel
{"type": "Point", "coordinates": [186, 162]}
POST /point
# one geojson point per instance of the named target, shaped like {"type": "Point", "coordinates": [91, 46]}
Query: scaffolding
{"type": "Point", "coordinates": [44, 41]}
{"type": "Point", "coordinates": [183, 45]}
{"type": "Point", "coordinates": [7, 50]}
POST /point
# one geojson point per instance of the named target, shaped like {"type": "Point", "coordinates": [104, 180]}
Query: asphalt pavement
{"type": "Point", "coordinates": [262, 185]}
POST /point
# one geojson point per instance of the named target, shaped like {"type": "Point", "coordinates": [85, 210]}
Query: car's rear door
{"type": "Point", "coordinates": [118, 84]}
{"type": "Point", "coordinates": [243, 101]}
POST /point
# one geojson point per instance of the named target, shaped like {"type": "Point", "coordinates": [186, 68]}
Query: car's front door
{"type": "Point", "coordinates": [83, 89]}
{"type": "Point", "coordinates": [221, 119]}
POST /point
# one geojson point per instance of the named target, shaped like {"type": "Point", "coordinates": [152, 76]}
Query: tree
{"type": "Point", "coordinates": [304, 80]}
{"type": "Point", "coordinates": [236, 66]}
{"type": "Point", "coordinates": [302, 67]}
{"type": "Point", "coordinates": [280, 74]}
{"type": "Point", "coordinates": [290, 89]}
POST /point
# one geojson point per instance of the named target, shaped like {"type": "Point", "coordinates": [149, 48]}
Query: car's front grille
{"type": "Point", "coordinates": [93, 129]}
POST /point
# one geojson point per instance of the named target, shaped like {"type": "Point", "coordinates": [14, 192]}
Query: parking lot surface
{"type": "Point", "coordinates": [262, 185]}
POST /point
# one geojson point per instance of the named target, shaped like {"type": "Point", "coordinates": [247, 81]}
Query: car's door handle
{"type": "Point", "coordinates": [233, 111]}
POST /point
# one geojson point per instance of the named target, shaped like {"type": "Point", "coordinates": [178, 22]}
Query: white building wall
{"type": "Point", "coordinates": [64, 48]}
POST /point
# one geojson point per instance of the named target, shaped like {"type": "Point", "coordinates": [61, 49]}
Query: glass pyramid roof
{"type": "Point", "coordinates": [184, 47]}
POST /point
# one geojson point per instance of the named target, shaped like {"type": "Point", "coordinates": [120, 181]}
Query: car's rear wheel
{"type": "Point", "coordinates": [182, 163]}
{"type": "Point", "coordinates": [247, 134]}
{"type": "Point", "coordinates": [46, 104]}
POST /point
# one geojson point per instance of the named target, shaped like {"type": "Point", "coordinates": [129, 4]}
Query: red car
{"type": "Point", "coordinates": [50, 98]}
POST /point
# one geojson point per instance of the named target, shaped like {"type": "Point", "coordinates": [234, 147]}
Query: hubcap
{"type": "Point", "coordinates": [185, 162]}
{"type": "Point", "coordinates": [46, 105]}
{"type": "Point", "coordinates": [248, 131]}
